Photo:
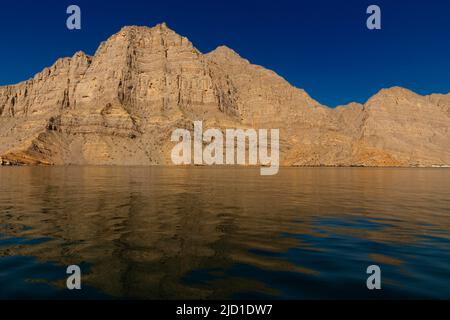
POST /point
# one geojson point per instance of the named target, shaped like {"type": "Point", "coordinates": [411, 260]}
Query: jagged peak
{"type": "Point", "coordinates": [395, 91]}
{"type": "Point", "coordinates": [225, 53]}
{"type": "Point", "coordinates": [80, 55]}
{"type": "Point", "coordinates": [160, 27]}
{"type": "Point", "coordinates": [77, 56]}
{"type": "Point", "coordinates": [224, 49]}
{"type": "Point", "coordinates": [128, 33]}
{"type": "Point", "coordinates": [132, 33]}
{"type": "Point", "coordinates": [59, 63]}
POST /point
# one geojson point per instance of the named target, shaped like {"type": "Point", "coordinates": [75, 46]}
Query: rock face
{"type": "Point", "coordinates": [120, 107]}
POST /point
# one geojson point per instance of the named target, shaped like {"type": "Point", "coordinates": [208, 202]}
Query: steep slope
{"type": "Point", "coordinates": [31, 109]}
{"type": "Point", "coordinates": [310, 133]}
{"type": "Point", "coordinates": [120, 107]}
{"type": "Point", "coordinates": [403, 128]}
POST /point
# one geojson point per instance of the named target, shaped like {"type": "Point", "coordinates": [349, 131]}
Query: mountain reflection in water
{"type": "Point", "coordinates": [213, 233]}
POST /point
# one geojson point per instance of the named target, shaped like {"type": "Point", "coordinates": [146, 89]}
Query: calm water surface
{"type": "Point", "coordinates": [223, 233]}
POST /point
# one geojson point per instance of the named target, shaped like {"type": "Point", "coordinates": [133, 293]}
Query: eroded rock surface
{"type": "Point", "coordinates": [120, 107]}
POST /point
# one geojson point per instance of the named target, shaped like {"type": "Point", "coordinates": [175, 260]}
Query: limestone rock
{"type": "Point", "coordinates": [120, 107]}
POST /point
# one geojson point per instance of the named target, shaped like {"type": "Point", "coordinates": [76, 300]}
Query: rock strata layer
{"type": "Point", "coordinates": [120, 106]}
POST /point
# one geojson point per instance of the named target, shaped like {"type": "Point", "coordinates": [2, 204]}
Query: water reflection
{"type": "Point", "coordinates": [227, 232]}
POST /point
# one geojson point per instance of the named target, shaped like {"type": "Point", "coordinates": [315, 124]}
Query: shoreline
{"type": "Point", "coordinates": [7, 163]}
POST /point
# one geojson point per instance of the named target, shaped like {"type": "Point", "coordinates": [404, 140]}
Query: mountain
{"type": "Point", "coordinates": [120, 106]}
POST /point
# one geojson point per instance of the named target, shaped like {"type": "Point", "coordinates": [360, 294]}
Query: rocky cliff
{"type": "Point", "coordinates": [120, 106]}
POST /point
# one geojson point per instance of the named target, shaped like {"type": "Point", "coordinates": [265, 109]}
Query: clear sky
{"type": "Point", "coordinates": [322, 46]}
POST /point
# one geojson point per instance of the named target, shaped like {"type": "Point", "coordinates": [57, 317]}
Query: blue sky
{"type": "Point", "coordinates": [322, 46]}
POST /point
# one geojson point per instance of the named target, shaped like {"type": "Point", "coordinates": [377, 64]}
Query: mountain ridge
{"type": "Point", "coordinates": [120, 105]}
{"type": "Point", "coordinates": [218, 48]}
